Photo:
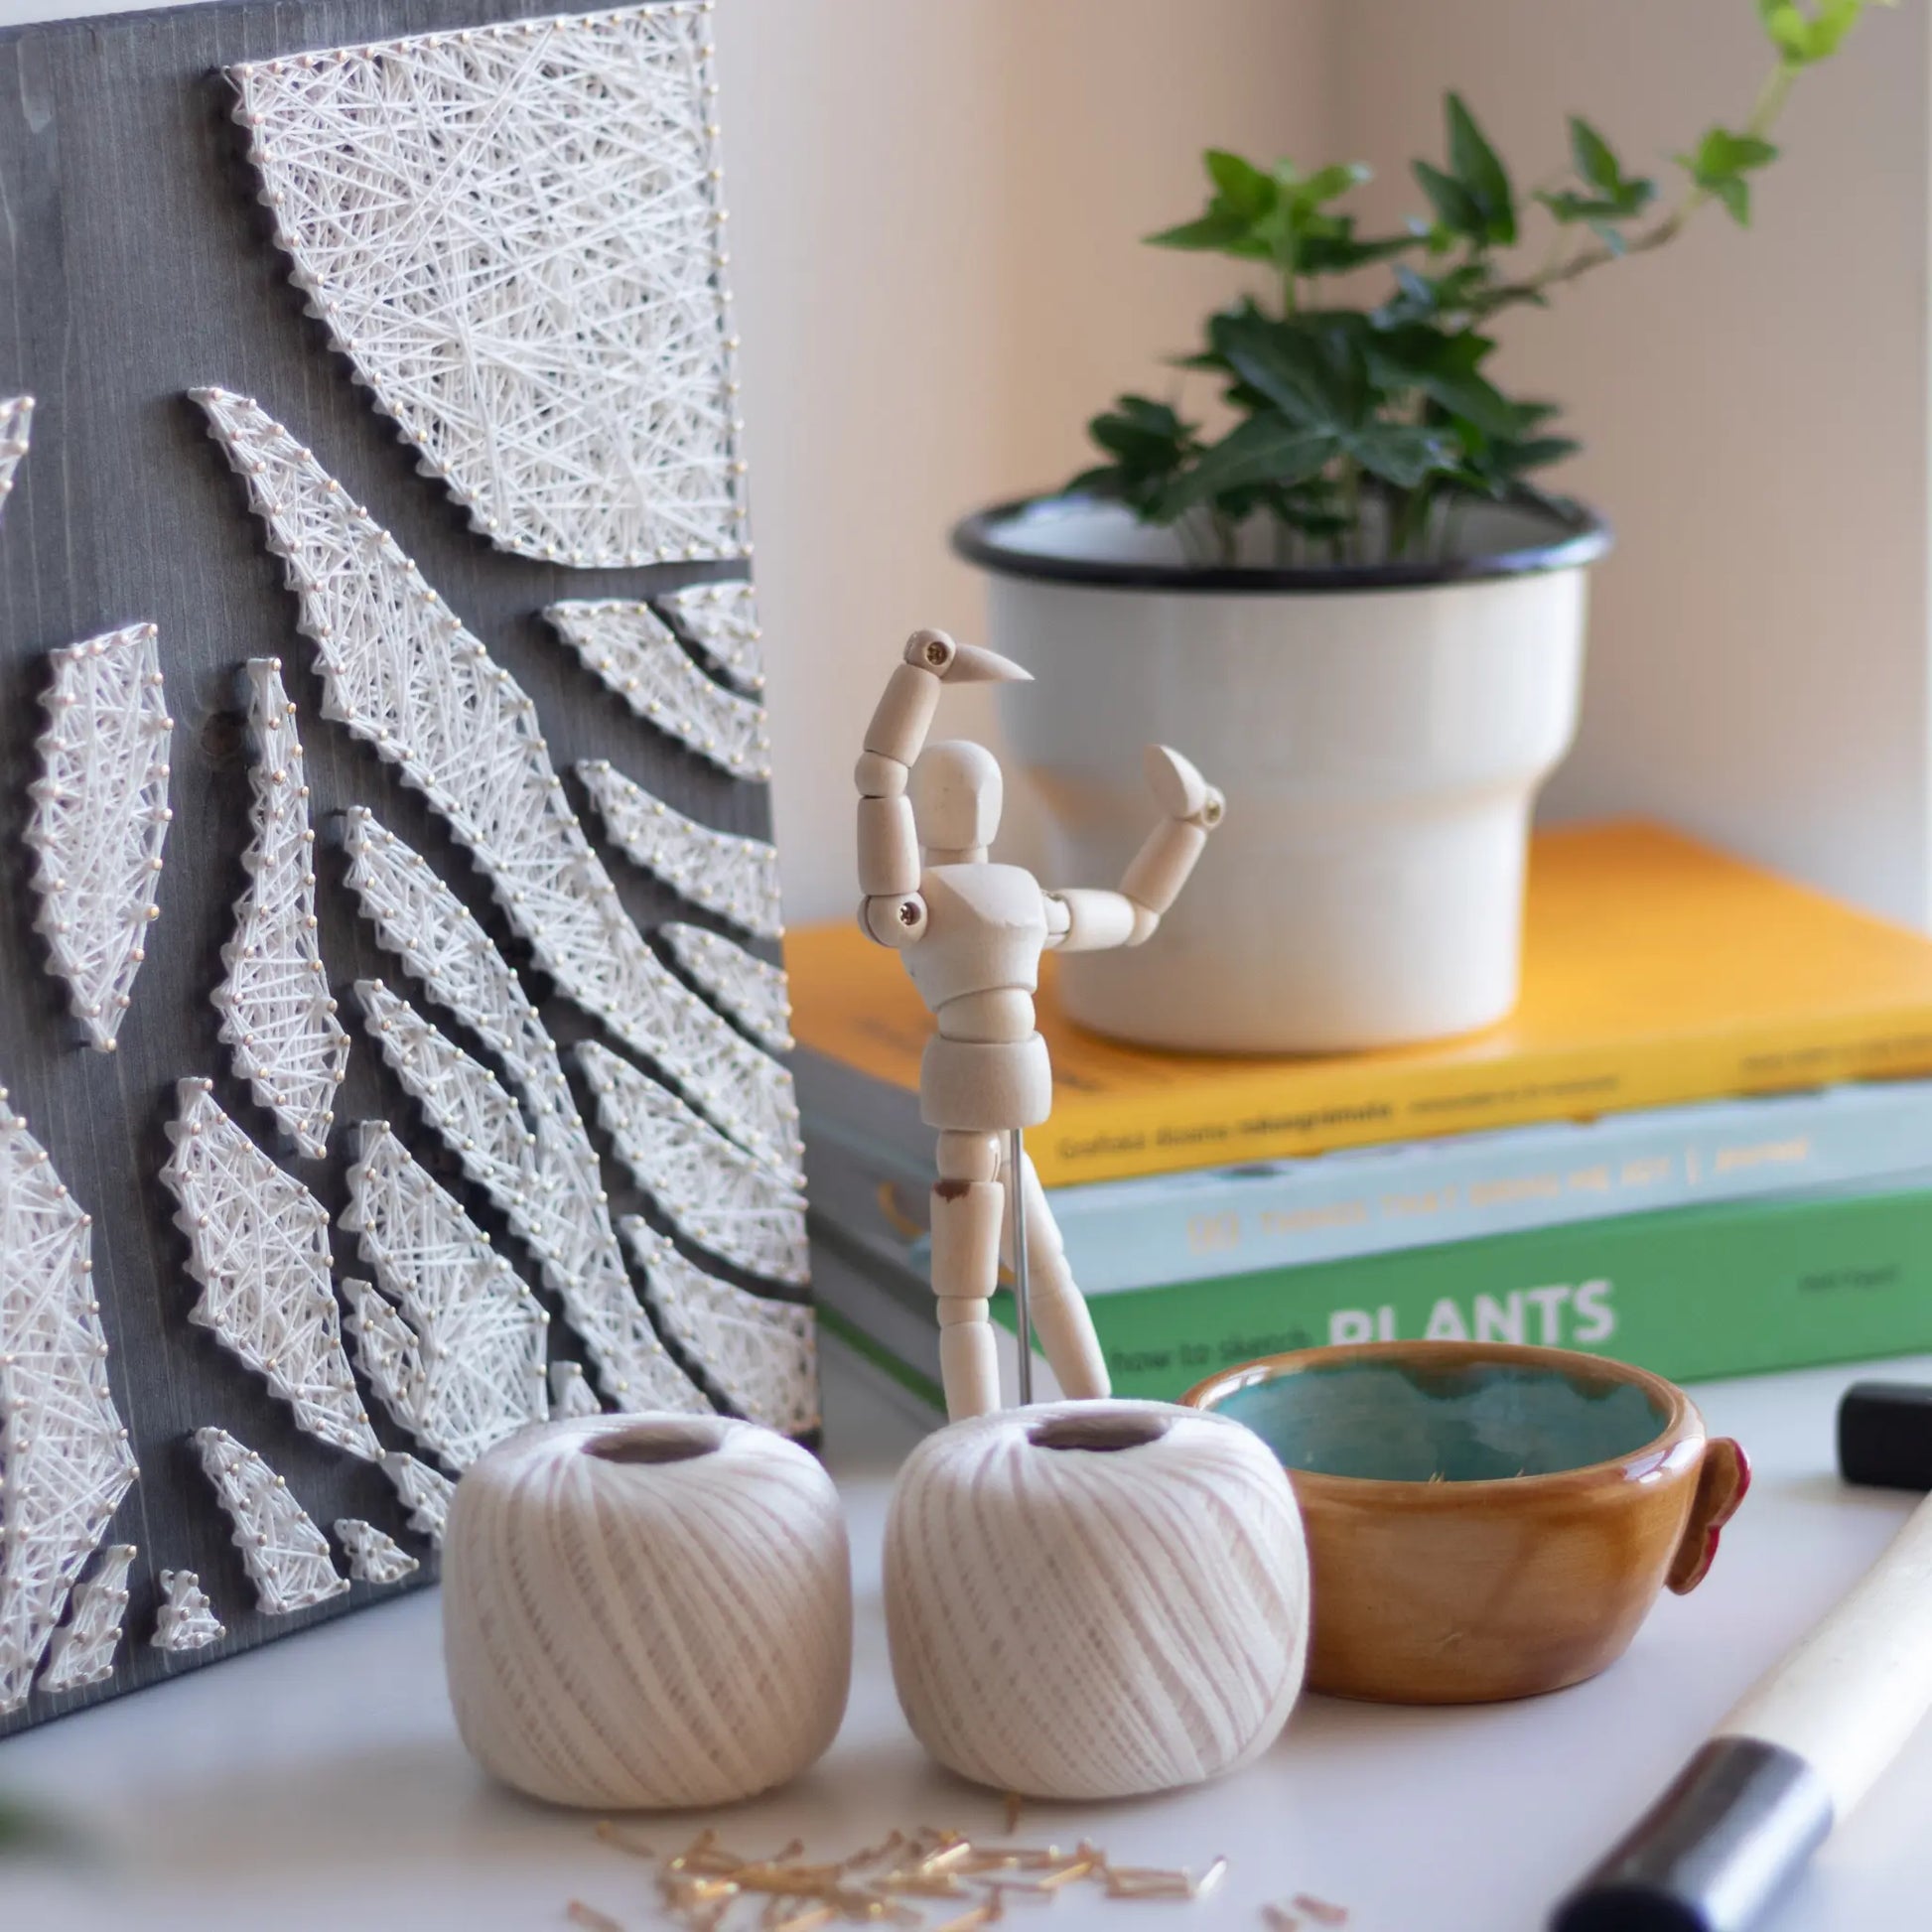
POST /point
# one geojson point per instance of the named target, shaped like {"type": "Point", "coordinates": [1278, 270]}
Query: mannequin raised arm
{"type": "Point", "coordinates": [892, 910]}
{"type": "Point", "coordinates": [1091, 919]}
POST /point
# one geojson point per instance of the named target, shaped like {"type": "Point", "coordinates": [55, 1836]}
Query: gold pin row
{"type": "Point", "coordinates": [874, 1885]}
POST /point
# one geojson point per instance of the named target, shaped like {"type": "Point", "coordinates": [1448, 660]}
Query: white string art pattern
{"type": "Point", "coordinates": [258, 1244]}
{"type": "Point", "coordinates": [276, 1009]}
{"type": "Point", "coordinates": [707, 1189]}
{"type": "Point", "coordinates": [424, 1493]}
{"type": "Point", "coordinates": [724, 872]}
{"type": "Point", "coordinates": [514, 234]}
{"type": "Point", "coordinates": [453, 1343]}
{"type": "Point", "coordinates": [571, 1394]}
{"type": "Point", "coordinates": [15, 432]}
{"type": "Point", "coordinates": [185, 1620]}
{"type": "Point", "coordinates": [440, 945]}
{"type": "Point", "coordinates": [749, 989]}
{"type": "Point", "coordinates": [374, 1557]}
{"type": "Point", "coordinates": [761, 1354]}
{"type": "Point", "coordinates": [722, 620]}
{"type": "Point", "coordinates": [82, 1649]}
{"type": "Point", "coordinates": [637, 654]}
{"type": "Point", "coordinates": [286, 1555]}
{"type": "Point", "coordinates": [64, 1460]}
{"type": "Point", "coordinates": [401, 672]}
{"type": "Point", "coordinates": [101, 819]}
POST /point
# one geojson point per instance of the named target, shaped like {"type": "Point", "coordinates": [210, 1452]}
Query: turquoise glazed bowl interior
{"type": "Point", "coordinates": [1415, 1422]}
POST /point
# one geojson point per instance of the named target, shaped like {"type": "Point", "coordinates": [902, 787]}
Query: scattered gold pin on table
{"type": "Point", "coordinates": [703, 1882]}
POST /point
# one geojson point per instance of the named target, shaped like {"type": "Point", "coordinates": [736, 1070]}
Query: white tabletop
{"type": "Point", "coordinates": [319, 1783]}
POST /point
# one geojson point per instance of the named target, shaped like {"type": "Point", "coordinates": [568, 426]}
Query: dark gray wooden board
{"type": "Point", "coordinates": [135, 264]}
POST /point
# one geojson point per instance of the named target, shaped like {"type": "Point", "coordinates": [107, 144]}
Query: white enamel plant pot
{"type": "Point", "coordinates": [1380, 733]}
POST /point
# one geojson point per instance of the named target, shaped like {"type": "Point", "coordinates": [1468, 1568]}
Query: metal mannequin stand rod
{"type": "Point", "coordinates": [1022, 1308]}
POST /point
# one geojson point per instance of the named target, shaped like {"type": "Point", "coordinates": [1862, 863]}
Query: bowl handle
{"type": "Point", "coordinates": [1723, 1476]}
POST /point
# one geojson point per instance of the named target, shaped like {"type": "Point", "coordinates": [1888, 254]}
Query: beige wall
{"type": "Point", "coordinates": [1755, 410]}
{"type": "Point", "coordinates": [934, 211]}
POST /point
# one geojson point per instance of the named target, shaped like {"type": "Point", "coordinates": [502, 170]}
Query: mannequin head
{"type": "Point", "coordinates": [956, 794]}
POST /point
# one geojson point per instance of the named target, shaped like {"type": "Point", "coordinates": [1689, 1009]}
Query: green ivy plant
{"type": "Point", "coordinates": [1359, 433]}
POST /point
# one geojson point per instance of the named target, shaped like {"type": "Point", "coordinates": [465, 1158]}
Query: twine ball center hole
{"type": "Point", "coordinates": [1098, 1432]}
{"type": "Point", "coordinates": [656, 1442]}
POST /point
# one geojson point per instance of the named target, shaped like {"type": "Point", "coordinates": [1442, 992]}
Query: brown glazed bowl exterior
{"type": "Point", "coordinates": [1472, 1592]}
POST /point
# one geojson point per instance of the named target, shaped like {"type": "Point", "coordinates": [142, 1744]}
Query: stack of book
{"type": "Point", "coordinates": [1703, 1142]}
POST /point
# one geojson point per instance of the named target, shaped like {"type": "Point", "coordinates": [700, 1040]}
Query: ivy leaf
{"type": "Point", "coordinates": [1720, 162]}
{"type": "Point", "coordinates": [1803, 38]}
{"type": "Point", "coordinates": [1614, 196]}
{"type": "Point", "coordinates": [1398, 453]}
{"type": "Point", "coordinates": [1310, 367]}
{"type": "Point", "coordinates": [1475, 165]}
{"type": "Point", "coordinates": [1443, 367]}
{"type": "Point", "coordinates": [1327, 184]}
{"type": "Point", "coordinates": [1592, 156]}
{"type": "Point", "coordinates": [1265, 449]}
{"type": "Point", "coordinates": [1149, 443]}
{"type": "Point", "coordinates": [1242, 189]}
{"type": "Point", "coordinates": [1456, 210]}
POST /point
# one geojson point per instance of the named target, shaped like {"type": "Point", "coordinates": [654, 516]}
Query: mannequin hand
{"type": "Point", "coordinates": [1180, 790]}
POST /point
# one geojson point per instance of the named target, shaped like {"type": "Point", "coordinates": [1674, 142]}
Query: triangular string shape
{"type": "Point", "coordinates": [723, 872]}
{"type": "Point", "coordinates": [514, 234]}
{"type": "Point", "coordinates": [64, 1460]}
{"type": "Point", "coordinates": [258, 1244]}
{"type": "Point", "coordinates": [277, 1013]}
{"type": "Point", "coordinates": [101, 819]}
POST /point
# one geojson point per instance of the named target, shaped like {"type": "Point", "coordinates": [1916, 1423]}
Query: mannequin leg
{"type": "Point", "coordinates": [968, 1205]}
{"type": "Point", "coordinates": [1060, 1309]}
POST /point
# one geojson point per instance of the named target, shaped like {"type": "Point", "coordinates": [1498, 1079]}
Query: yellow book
{"type": "Point", "coordinates": [1655, 971]}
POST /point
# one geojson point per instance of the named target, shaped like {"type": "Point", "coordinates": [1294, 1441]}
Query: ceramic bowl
{"type": "Point", "coordinates": [1484, 1521]}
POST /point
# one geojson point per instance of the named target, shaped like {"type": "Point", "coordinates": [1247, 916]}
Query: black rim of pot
{"type": "Point", "coordinates": [1582, 538]}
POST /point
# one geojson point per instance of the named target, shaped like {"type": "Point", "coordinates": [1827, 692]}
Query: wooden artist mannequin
{"type": "Point", "coordinates": [972, 934]}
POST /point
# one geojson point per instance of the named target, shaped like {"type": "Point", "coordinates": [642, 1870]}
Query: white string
{"type": "Point", "coordinates": [101, 819]}
{"type": "Point", "coordinates": [723, 872]}
{"type": "Point", "coordinates": [571, 1394]}
{"type": "Point", "coordinates": [286, 1555]}
{"type": "Point", "coordinates": [761, 1354]}
{"type": "Point", "coordinates": [15, 432]}
{"type": "Point", "coordinates": [373, 1558]}
{"type": "Point", "coordinates": [514, 234]}
{"type": "Point", "coordinates": [82, 1649]}
{"type": "Point", "coordinates": [711, 1191]}
{"type": "Point", "coordinates": [400, 672]}
{"type": "Point", "coordinates": [258, 1244]}
{"type": "Point", "coordinates": [722, 620]}
{"type": "Point", "coordinates": [424, 1493]}
{"type": "Point", "coordinates": [455, 1353]}
{"type": "Point", "coordinates": [64, 1460]}
{"type": "Point", "coordinates": [440, 945]}
{"type": "Point", "coordinates": [186, 1620]}
{"type": "Point", "coordinates": [741, 984]}
{"type": "Point", "coordinates": [276, 1009]}
{"type": "Point", "coordinates": [632, 650]}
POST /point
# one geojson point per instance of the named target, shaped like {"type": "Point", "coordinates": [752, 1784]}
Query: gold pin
{"type": "Point", "coordinates": [590, 1918]}
{"type": "Point", "coordinates": [615, 1834]}
{"type": "Point", "coordinates": [1320, 1909]}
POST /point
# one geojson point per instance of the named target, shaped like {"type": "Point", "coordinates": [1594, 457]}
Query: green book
{"type": "Point", "coordinates": [1697, 1292]}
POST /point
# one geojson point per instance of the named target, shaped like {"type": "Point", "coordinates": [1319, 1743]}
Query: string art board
{"type": "Point", "coordinates": [391, 1021]}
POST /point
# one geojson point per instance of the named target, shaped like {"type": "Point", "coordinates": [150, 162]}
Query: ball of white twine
{"type": "Point", "coordinates": [646, 1611]}
{"type": "Point", "coordinates": [1095, 1600]}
